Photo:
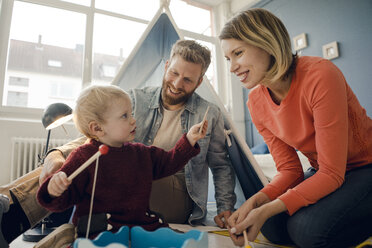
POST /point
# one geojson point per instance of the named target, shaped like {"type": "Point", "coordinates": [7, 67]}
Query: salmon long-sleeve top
{"type": "Point", "coordinates": [322, 118]}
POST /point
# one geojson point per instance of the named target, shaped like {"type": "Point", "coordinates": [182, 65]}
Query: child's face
{"type": "Point", "coordinates": [119, 126]}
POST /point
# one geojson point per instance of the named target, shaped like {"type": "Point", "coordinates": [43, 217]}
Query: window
{"type": "Point", "coordinates": [54, 48]}
{"type": "Point", "coordinates": [63, 91]}
{"type": "Point", "coordinates": [54, 63]}
{"type": "Point", "coordinates": [42, 51]}
{"type": "Point", "coordinates": [18, 81]}
{"type": "Point", "coordinates": [143, 9]}
{"type": "Point", "coordinates": [211, 72]}
{"type": "Point", "coordinates": [185, 14]}
{"type": "Point", "coordinates": [199, 29]}
{"type": "Point", "coordinates": [16, 98]}
{"type": "Point", "coordinates": [109, 71]}
{"type": "Point", "coordinates": [112, 45]}
{"type": "Point", "coordinates": [17, 91]}
{"type": "Point", "coordinates": [82, 2]}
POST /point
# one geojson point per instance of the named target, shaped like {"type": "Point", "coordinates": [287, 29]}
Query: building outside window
{"type": "Point", "coordinates": [17, 93]}
{"type": "Point", "coordinates": [55, 48]}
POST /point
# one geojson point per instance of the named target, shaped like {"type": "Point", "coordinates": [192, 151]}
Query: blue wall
{"type": "Point", "coordinates": [345, 21]}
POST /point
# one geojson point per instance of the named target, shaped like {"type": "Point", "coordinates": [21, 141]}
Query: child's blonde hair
{"type": "Point", "coordinates": [92, 104]}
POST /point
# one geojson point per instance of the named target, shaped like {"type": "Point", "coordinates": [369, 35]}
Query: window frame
{"type": "Point", "coordinates": [6, 10]}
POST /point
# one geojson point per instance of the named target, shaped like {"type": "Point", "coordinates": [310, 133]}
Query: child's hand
{"type": "Point", "coordinates": [58, 184]}
{"type": "Point", "coordinates": [195, 133]}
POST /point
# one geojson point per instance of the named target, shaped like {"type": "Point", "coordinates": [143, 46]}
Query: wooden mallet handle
{"type": "Point", "coordinates": [102, 150]}
{"type": "Point", "coordinates": [204, 119]}
{"type": "Point", "coordinates": [247, 244]}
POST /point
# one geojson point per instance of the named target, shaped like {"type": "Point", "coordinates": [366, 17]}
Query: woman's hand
{"type": "Point", "coordinates": [255, 201]}
{"type": "Point", "coordinates": [58, 184]}
{"type": "Point", "coordinates": [252, 223]}
{"type": "Point", "coordinates": [253, 220]}
{"type": "Point", "coordinates": [243, 218]}
{"type": "Point", "coordinates": [197, 132]}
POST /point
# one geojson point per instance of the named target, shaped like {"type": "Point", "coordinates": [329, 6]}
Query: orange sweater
{"type": "Point", "coordinates": [322, 118]}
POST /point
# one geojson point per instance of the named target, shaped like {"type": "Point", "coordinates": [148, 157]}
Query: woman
{"type": "Point", "coordinates": [305, 104]}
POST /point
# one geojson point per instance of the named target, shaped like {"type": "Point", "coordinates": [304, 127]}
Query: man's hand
{"type": "Point", "coordinates": [52, 163]}
{"type": "Point", "coordinates": [221, 219]}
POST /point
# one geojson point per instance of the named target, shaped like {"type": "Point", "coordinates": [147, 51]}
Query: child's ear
{"type": "Point", "coordinates": [96, 129]}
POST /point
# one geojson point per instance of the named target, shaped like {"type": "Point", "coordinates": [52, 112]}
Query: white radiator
{"type": "Point", "coordinates": [26, 152]}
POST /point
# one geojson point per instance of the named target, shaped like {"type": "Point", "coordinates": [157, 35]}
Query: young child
{"type": "Point", "coordinates": [125, 174]}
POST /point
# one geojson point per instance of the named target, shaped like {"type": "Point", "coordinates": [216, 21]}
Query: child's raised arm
{"type": "Point", "coordinates": [58, 184]}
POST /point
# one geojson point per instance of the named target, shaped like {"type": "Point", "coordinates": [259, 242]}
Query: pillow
{"type": "Point", "coordinates": [260, 149]}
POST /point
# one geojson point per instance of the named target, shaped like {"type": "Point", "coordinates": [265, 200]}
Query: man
{"type": "Point", "coordinates": [163, 114]}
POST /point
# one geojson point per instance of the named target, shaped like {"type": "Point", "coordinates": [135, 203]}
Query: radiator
{"type": "Point", "coordinates": [25, 154]}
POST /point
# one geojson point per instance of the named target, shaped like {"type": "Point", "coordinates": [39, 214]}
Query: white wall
{"type": "Point", "coordinates": [238, 5]}
{"type": "Point", "coordinates": [11, 127]}
{"type": "Point", "coordinates": [230, 89]}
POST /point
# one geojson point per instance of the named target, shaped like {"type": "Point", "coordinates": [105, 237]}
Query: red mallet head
{"type": "Point", "coordinates": [103, 149]}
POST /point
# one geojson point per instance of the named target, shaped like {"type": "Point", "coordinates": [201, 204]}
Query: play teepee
{"type": "Point", "coordinates": [145, 67]}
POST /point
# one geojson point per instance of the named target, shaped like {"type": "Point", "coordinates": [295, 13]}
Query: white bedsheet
{"type": "Point", "coordinates": [266, 162]}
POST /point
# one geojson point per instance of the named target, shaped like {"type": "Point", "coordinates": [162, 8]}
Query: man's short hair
{"type": "Point", "coordinates": [193, 52]}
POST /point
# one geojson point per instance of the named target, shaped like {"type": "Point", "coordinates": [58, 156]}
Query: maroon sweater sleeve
{"type": "Point", "coordinates": [74, 192]}
{"type": "Point", "coordinates": [168, 163]}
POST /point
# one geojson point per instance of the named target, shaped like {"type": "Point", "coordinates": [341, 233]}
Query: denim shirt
{"type": "Point", "coordinates": [147, 111]}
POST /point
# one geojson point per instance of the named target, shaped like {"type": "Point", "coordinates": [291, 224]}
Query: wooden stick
{"type": "Point", "coordinates": [103, 149]}
{"type": "Point", "coordinates": [92, 199]}
{"type": "Point", "coordinates": [246, 242]}
{"type": "Point", "coordinates": [204, 119]}
{"type": "Point", "coordinates": [64, 129]}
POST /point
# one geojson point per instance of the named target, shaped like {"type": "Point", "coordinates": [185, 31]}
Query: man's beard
{"type": "Point", "coordinates": [170, 100]}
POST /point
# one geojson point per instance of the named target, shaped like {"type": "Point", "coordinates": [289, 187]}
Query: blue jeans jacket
{"type": "Point", "coordinates": [146, 110]}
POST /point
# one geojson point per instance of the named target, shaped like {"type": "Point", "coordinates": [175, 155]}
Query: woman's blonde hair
{"type": "Point", "coordinates": [260, 28]}
{"type": "Point", "coordinates": [92, 104]}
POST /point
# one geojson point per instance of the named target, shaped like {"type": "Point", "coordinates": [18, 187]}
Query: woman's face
{"type": "Point", "coordinates": [247, 62]}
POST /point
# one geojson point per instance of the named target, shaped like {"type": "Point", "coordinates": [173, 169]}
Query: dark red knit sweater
{"type": "Point", "coordinates": [124, 181]}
